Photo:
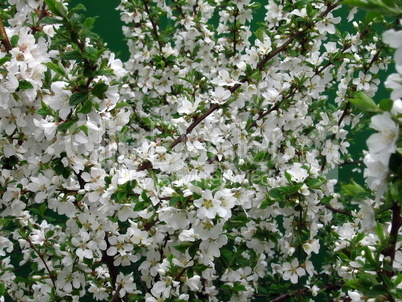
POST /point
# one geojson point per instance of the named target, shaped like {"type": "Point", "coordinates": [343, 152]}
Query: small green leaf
{"type": "Point", "coordinates": [99, 90]}
{"type": "Point", "coordinates": [45, 110]}
{"type": "Point", "coordinates": [182, 247]}
{"type": "Point", "coordinates": [380, 232]}
{"type": "Point", "coordinates": [288, 176]}
{"type": "Point", "coordinates": [65, 125]}
{"type": "Point", "coordinates": [239, 288]}
{"type": "Point", "coordinates": [23, 84]}
{"type": "Point", "coordinates": [51, 20]}
{"type": "Point", "coordinates": [84, 129]}
{"type": "Point", "coordinates": [77, 98]}
{"type": "Point", "coordinates": [58, 166]}
{"type": "Point", "coordinates": [76, 9]}
{"type": "Point", "coordinates": [352, 189]}
{"type": "Point", "coordinates": [14, 40]}
{"type": "Point", "coordinates": [86, 107]}
{"type": "Point", "coordinates": [71, 55]}
{"type": "Point", "coordinates": [343, 257]}
{"type": "Point", "coordinates": [121, 104]}
{"type": "Point", "coordinates": [56, 8]}
{"type": "Point", "coordinates": [121, 196]}
{"type": "Point", "coordinates": [314, 183]}
{"type": "Point", "coordinates": [4, 60]}
{"type": "Point", "coordinates": [364, 103]}
{"type": "Point", "coordinates": [277, 193]}
{"type": "Point", "coordinates": [50, 233]}
{"type": "Point", "coordinates": [139, 206]}
{"type": "Point", "coordinates": [256, 75]}
{"type": "Point", "coordinates": [58, 68]}
{"type": "Point", "coordinates": [89, 22]}
{"type": "Point", "coordinates": [2, 289]}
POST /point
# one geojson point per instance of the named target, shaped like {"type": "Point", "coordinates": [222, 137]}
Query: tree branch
{"type": "Point", "coordinates": [32, 246]}
{"type": "Point", "coordinates": [4, 38]}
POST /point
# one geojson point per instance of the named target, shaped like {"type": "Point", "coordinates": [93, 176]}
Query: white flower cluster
{"type": "Point", "coordinates": [198, 170]}
{"type": "Point", "coordinates": [383, 143]}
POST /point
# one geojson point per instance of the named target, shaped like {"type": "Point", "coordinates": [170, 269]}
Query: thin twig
{"type": "Point", "coordinates": [338, 210]}
{"type": "Point", "coordinates": [4, 38]}
{"type": "Point", "coordinates": [43, 260]}
{"type": "Point", "coordinates": [116, 297]}
{"type": "Point", "coordinates": [154, 25]}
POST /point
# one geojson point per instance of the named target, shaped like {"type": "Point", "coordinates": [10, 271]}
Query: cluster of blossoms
{"type": "Point", "coordinates": [201, 168]}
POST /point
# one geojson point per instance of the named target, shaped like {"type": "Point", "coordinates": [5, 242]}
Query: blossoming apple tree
{"type": "Point", "coordinates": [204, 167]}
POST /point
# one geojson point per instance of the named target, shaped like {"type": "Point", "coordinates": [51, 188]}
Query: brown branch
{"type": "Point", "coordinates": [113, 270]}
{"type": "Point", "coordinates": [116, 297]}
{"type": "Point", "coordinates": [154, 25]}
{"type": "Point", "coordinates": [355, 162]}
{"type": "Point", "coordinates": [43, 14]}
{"type": "Point", "coordinates": [338, 210]}
{"type": "Point", "coordinates": [4, 38]}
{"type": "Point", "coordinates": [393, 236]}
{"type": "Point", "coordinates": [181, 138]}
{"type": "Point", "coordinates": [43, 260]}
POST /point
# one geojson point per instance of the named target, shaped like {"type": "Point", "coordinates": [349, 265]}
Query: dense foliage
{"type": "Point", "coordinates": [204, 168]}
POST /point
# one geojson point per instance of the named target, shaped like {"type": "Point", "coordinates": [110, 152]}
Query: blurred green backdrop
{"type": "Point", "coordinates": [108, 24]}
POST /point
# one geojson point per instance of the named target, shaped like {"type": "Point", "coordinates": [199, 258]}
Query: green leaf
{"type": "Point", "coordinates": [121, 196]}
{"type": "Point", "coordinates": [99, 90]}
{"type": "Point", "coordinates": [77, 98]}
{"type": "Point", "coordinates": [139, 206]}
{"type": "Point", "coordinates": [256, 75]}
{"type": "Point", "coordinates": [364, 103]}
{"type": "Point", "coordinates": [239, 288]}
{"type": "Point", "coordinates": [45, 110]}
{"type": "Point", "coordinates": [279, 193]}
{"type": "Point", "coordinates": [23, 84]}
{"type": "Point", "coordinates": [288, 176]}
{"type": "Point", "coordinates": [84, 129]}
{"type": "Point", "coordinates": [2, 289]}
{"type": "Point", "coordinates": [86, 107]}
{"type": "Point", "coordinates": [58, 68]}
{"type": "Point", "coordinates": [65, 125]}
{"type": "Point", "coordinates": [58, 166]}
{"type": "Point", "coordinates": [260, 156]}
{"type": "Point", "coordinates": [75, 9]}
{"type": "Point", "coordinates": [182, 247]}
{"type": "Point", "coordinates": [377, 291]}
{"type": "Point", "coordinates": [380, 232]}
{"type": "Point", "coordinates": [14, 40]}
{"type": "Point", "coordinates": [50, 20]}
{"type": "Point", "coordinates": [71, 55]}
{"type": "Point", "coordinates": [56, 8]}
{"type": "Point", "coordinates": [240, 220]}
{"type": "Point", "coordinates": [4, 60]}
{"type": "Point", "coordinates": [50, 233]}
{"type": "Point", "coordinates": [314, 183]}
{"type": "Point", "coordinates": [121, 104]}
{"type": "Point", "coordinates": [343, 257]}
{"type": "Point", "coordinates": [352, 189]}
{"type": "Point", "coordinates": [398, 279]}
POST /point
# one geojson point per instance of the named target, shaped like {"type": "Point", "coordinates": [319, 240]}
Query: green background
{"type": "Point", "coordinates": [108, 24]}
